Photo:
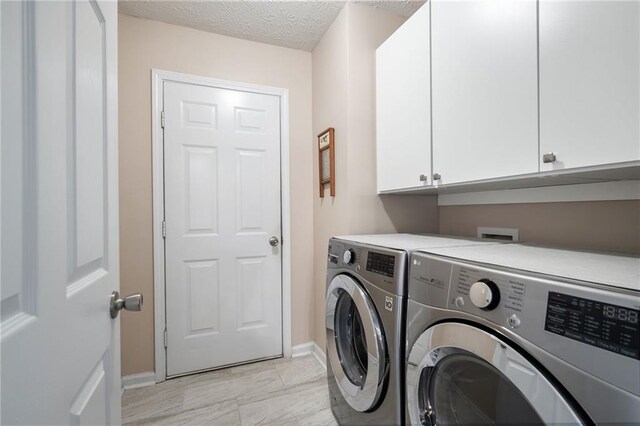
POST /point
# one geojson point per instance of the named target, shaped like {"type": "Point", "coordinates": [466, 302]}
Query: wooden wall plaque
{"type": "Point", "coordinates": [326, 158]}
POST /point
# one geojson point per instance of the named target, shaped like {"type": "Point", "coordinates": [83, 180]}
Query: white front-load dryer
{"type": "Point", "coordinates": [518, 334]}
{"type": "Point", "coordinates": [365, 323]}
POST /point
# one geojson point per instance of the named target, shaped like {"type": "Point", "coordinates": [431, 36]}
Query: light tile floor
{"type": "Point", "coordinates": [284, 391]}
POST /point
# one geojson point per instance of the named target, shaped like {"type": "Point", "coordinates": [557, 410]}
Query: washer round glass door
{"type": "Point", "coordinates": [459, 374]}
{"type": "Point", "coordinates": [355, 343]}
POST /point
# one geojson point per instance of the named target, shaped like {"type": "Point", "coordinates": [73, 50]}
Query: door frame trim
{"type": "Point", "coordinates": [157, 94]}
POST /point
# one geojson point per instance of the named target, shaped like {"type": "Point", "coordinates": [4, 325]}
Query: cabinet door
{"type": "Point", "coordinates": [403, 106]}
{"type": "Point", "coordinates": [484, 89]}
{"type": "Point", "coordinates": [589, 82]}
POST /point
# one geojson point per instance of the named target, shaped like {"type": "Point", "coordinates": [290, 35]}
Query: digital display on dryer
{"type": "Point", "coordinates": [381, 263]}
{"type": "Point", "coordinates": [610, 327]}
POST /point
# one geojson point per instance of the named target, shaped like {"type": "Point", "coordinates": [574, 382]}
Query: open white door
{"type": "Point", "coordinates": [59, 195]}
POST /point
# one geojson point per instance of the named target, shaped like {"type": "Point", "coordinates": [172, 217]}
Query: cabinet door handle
{"type": "Point", "coordinates": [424, 178]}
{"type": "Point", "coordinates": [549, 157]}
{"type": "Point", "coordinates": [437, 176]}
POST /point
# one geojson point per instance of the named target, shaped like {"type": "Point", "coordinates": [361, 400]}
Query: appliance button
{"type": "Point", "coordinates": [459, 302]}
{"type": "Point", "coordinates": [484, 294]}
{"type": "Point", "coordinates": [348, 256]}
{"type": "Point", "coordinates": [514, 321]}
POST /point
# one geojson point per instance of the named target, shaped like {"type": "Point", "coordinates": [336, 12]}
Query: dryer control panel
{"type": "Point", "coordinates": [383, 267]}
{"type": "Point", "coordinates": [381, 263]}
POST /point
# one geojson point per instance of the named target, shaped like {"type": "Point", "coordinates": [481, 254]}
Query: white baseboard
{"type": "Point", "coordinates": [320, 355]}
{"type": "Point", "coordinates": [309, 348]}
{"type": "Point", "coordinates": [139, 380]}
{"type": "Point", "coordinates": [302, 349]}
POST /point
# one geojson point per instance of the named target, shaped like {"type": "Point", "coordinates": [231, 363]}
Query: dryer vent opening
{"type": "Point", "coordinates": [500, 234]}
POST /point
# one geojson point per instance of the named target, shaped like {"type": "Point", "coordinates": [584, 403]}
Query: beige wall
{"type": "Point", "coordinates": [330, 214]}
{"type": "Point", "coordinates": [144, 45]}
{"type": "Point", "coordinates": [594, 225]}
{"type": "Point", "coordinates": [344, 98]}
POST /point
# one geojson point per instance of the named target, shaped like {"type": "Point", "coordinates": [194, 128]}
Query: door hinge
{"type": "Point", "coordinates": [164, 229]}
{"type": "Point", "coordinates": [165, 337]}
{"type": "Point", "coordinates": [162, 119]}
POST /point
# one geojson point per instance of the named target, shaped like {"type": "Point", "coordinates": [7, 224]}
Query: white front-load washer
{"type": "Point", "coordinates": [365, 323]}
{"type": "Point", "coordinates": [518, 334]}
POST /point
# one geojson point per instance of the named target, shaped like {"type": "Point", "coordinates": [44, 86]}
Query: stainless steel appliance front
{"type": "Point", "coordinates": [365, 333]}
{"type": "Point", "coordinates": [552, 350]}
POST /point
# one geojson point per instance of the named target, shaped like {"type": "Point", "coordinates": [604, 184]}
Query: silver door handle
{"type": "Point", "coordinates": [274, 241]}
{"type": "Point", "coordinates": [130, 303]}
{"type": "Point", "coordinates": [549, 158]}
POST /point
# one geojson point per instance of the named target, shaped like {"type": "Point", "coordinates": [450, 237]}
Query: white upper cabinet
{"type": "Point", "coordinates": [589, 82]}
{"type": "Point", "coordinates": [484, 89]}
{"type": "Point", "coordinates": [497, 91]}
{"type": "Point", "coordinates": [403, 106]}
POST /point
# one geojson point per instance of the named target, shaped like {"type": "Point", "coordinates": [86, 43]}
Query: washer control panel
{"type": "Point", "coordinates": [590, 326]}
{"type": "Point", "coordinates": [514, 321]}
{"type": "Point", "coordinates": [489, 294]}
{"type": "Point", "coordinates": [484, 294]}
{"type": "Point", "coordinates": [499, 298]}
{"type": "Point", "coordinates": [609, 327]}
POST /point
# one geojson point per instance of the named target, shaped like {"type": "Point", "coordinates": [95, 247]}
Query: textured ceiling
{"type": "Point", "coordinates": [296, 24]}
{"type": "Point", "coordinates": [399, 7]}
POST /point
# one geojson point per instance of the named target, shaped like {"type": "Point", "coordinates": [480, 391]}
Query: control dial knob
{"type": "Point", "coordinates": [348, 257]}
{"type": "Point", "coordinates": [485, 294]}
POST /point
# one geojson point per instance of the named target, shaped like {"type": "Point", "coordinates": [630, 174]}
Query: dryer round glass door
{"type": "Point", "coordinates": [459, 374]}
{"type": "Point", "coordinates": [355, 343]}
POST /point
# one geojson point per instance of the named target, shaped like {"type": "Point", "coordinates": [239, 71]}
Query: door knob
{"type": "Point", "coordinates": [130, 303]}
{"type": "Point", "coordinates": [274, 241]}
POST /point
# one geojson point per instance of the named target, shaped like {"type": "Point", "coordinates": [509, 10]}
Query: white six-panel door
{"type": "Point", "coordinates": [60, 347]}
{"type": "Point", "coordinates": [222, 205]}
